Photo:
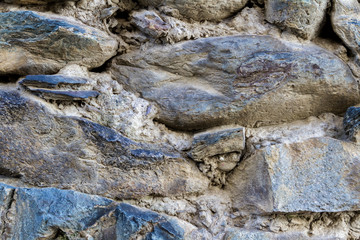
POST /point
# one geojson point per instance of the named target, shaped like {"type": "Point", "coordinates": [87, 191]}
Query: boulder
{"type": "Point", "coordinates": [200, 9]}
{"type": "Point", "coordinates": [303, 17]}
{"type": "Point", "coordinates": [24, 35]}
{"type": "Point", "coordinates": [316, 175]}
{"type": "Point", "coordinates": [345, 19]}
{"type": "Point", "coordinates": [48, 150]}
{"type": "Point", "coordinates": [51, 213]}
{"type": "Point", "coordinates": [237, 80]}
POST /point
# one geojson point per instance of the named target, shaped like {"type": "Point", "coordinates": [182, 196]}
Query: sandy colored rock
{"type": "Point", "coordinates": [302, 17]}
{"type": "Point", "coordinates": [45, 149]}
{"type": "Point", "coordinates": [25, 34]}
{"type": "Point", "coordinates": [237, 80]}
{"type": "Point", "coordinates": [316, 175]}
{"type": "Point", "coordinates": [200, 9]}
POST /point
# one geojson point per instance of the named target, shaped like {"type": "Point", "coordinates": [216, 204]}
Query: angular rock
{"type": "Point", "coordinates": [132, 221]}
{"type": "Point", "coordinates": [303, 17]}
{"type": "Point", "coordinates": [43, 149]}
{"type": "Point", "coordinates": [352, 123]}
{"type": "Point", "coordinates": [200, 9]}
{"type": "Point", "coordinates": [51, 81]}
{"type": "Point", "coordinates": [49, 212]}
{"type": "Point", "coordinates": [210, 143]}
{"type": "Point", "coordinates": [345, 19]}
{"type": "Point", "coordinates": [237, 80]}
{"type": "Point", "coordinates": [316, 175]}
{"type": "Point", "coordinates": [25, 34]}
{"type": "Point", "coordinates": [63, 95]}
{"type": "Point", "coordinates": [150, 23]}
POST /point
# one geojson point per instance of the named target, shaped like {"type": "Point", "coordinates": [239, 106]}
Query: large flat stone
{"type": "Point", "coordinates": [37, 43]}
{"type": "Point", "coordinates": [47, 150]}
{"type": "Point", "coordinates": [238, 79]}
{"type": "Point", "coordinates": [51, 213]}
{"type": "Point", "coordinates": [51, 81]}
{"type": "Point", "coordinates": [201, 9]}
{"type": "Point", "coordinates": [303, 17]}
{"type": "Point", "coordinates": [316, 175]}
{"type": "Point", "coordinates": [345, 19]}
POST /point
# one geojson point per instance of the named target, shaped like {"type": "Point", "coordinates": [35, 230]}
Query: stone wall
{"type": "Point", "coordinates": [164, 119]}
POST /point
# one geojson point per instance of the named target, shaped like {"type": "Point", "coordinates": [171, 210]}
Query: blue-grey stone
{"type": "Point", "coordinates": [43, 213]}
{"type": "Point", "coordinates": [43, 149]}
{"type": "Point", "coordinates": [316, 175]}
{"type": "Point", "coordinates": [352, 122]}
{"type": "Point", "coordinates": [36, 43]}
{"type": "Point", "coordinates": [63, 95]}
{"type": "Point", "coordinates": [51, 81]}
{"type": "Point", "coordinates": [237, 80]}
{"type": "Point", "coordinates": [131, 221]}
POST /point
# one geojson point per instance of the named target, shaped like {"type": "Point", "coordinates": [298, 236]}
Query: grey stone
{"type": "Point", "coordinates": [49, 212]}
{"type": "Point", "coordinates": [51, 81]}
{"type": "Point", "coordinates": [237, 80]}
{"type": "Point", "coordinates": [63, 95]}
{"type": "Point", "coordinates": [211, 143]}
{"type": "Point", "coordinates": [316, 175]}
{"type": "Point", "coordinates": [237, 234]}
{"type": "Point", "coordinates": [345, 19]}
{"type": "Point", "coordinates": [24, 35]}
{"type": "Point", "coordinates": [47, 150]}
{"type": "Point", "coordinates": [132, 221]}
{"type": "Point", "coordinates": [200, 9]}
{"type": "Point", "coordinates": [150, 23]}
{"type": "Point", "coordinates": [352, 123]}
{"type": "Point", "coordinates": [303, 17]}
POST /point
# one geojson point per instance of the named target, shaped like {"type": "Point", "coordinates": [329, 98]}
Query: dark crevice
{"type": "Point", "coordinates": [9, 173]}
{"type": "Point", "coordinates": [60, 235]}
{"type": "Point", "coordinates": [104, 67]}
{"type": "Point", "coordinates": [9, 78]}
{"type": "Point", "coordinates": [327, 31]}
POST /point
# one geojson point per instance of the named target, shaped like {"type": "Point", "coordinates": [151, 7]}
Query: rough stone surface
{"type": "Point", "coordinates": [240, 79]}
{"type": "Point", "coordinates": [51, 213]}
{"type": "Point", "coordinates": [303, 17]}
{"type": "Point", "coordinates": [216, 142]}
{"type": "Point", "coordinates": [45, 149]}
{"type": "Point", "coordinates": [345, 19]}
{"type": "Point", "coordinates": [352, 123]}
{"type": "Point", "coordinates": [51, 81]}
{"type": "Point", "coordinates": [30, 2]}
{"type": "Point", "coordinates": [201, 9]}
{"type": "Point", "coordinates": [316, 175]}
{"type": "Point", "coordinates": [63, 95]}
{"type": "Point", "coordinates": [25, 34]}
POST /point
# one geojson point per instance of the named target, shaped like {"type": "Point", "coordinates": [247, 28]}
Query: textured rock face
{"type": "Point", "coordinates": [25, 34]}
{"type": "Point", "coordinates": [303, 17]}
{"type": "Point", "coordinates": [345, 19]}
{"type": "Point", "coordinates": [57, 214]}
{"type": "Point", "coordinates": [317, 175]}
{"type": "Point", "coordinates": [213, 81]}
{"type": "Point", "coordinates": [49, 150]}
{"type": "Point", "coordinates": [201, 9]}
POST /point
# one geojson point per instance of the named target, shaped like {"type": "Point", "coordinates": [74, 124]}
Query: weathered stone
{"type": "Point", "coordinates": [73, 153]}
{"type": "Point", "coordinates": [30, 2]}
{"type": "Point", "coordinates": [345, 19]}
{"type": "Point", "coordinates": [51, 81]}
{"type": "Point", "coordinates": [352, 123]}
{"type": "Point", "coordinates": [316, 175]}
{"type": "Point", "coordinates": [48, 213]}
{"type": "Point", "coordinates": [237, 234]}
{"type": "Point", "coordinates": [303, 17]}
{"type": "Point", "coordinates": [132, 221]}
{"type": "Point", "coordinates": [63, 95]}
{"type": "Point", "coordinates": [239, 79]}
{"type": "Point", "coordinates": [150, 23]}
{"type": "Point", "coordinates": [35, 43]}
{"type": "Point", "coordinates": [201, 9]}
{"type": "Point", "coordinates": [216, 142]}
